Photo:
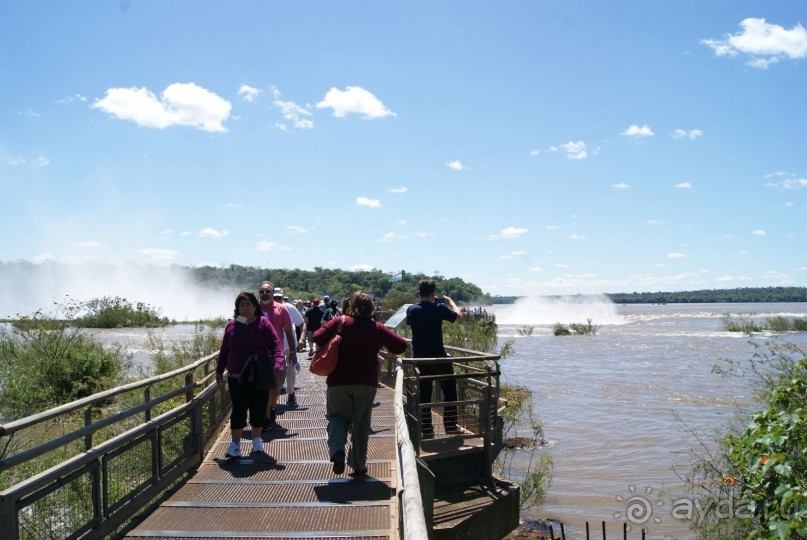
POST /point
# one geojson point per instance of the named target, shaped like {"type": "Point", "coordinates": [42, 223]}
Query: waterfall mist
{"type": "Point", "coordinates": [563, 309]}
{"type": "Point", "coordinates": [28, 287]}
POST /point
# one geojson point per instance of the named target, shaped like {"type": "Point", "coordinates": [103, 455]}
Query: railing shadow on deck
{"type": "Point", "coordinates": [134, 442]}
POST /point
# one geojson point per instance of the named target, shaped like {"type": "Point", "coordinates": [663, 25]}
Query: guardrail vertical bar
{"type": "Point", "coordinates": [9, 525]}
{"type": "Point", "coordinates": [88, 422]}
{"type": "Point", "coordinates": [146, 399]}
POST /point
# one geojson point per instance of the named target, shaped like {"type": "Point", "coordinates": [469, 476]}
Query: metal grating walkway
{"type": "Point", "coordinates": [290, 491]}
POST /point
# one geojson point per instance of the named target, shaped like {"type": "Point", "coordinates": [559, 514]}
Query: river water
{"type": "Point", "coordinates": [617, 405]}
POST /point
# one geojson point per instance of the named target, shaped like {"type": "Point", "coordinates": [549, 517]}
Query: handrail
{"type": "Point", "coordinates": [28, 421]}
{"type": "Point", "coordinates": [413, 517]}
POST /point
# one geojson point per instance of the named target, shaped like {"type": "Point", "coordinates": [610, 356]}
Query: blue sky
{"type": "Point", "coordinates": [529, 147]}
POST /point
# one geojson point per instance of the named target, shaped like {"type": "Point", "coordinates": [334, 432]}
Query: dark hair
{"type": "Point", "coordinates": [426, 288]}
{"type": "Point", "coordinates": [246, 295]}
{"type": "Point", "coordinates": [361, 306]}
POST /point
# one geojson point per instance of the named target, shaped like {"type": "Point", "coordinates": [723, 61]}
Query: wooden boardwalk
{"type": "Point", "coordinates": [290, 490]}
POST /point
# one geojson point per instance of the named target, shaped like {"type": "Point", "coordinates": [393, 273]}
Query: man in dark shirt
{"type": "Point", "coordinates": [426, 319]}
{"type": "Point", "coordinates": [313, 320]}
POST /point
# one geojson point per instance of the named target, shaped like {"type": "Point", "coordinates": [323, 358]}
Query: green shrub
{"type": "Point", "coordinates": [561, 330]}
{"type": "Point", "coordinates": [525, 330]}
{"type": "Point", "coordinates": [742, 325]}
{"type": "Point", "coordinates": [46, 361]}
{"type": "Point", "coordinates": [800, 325]}
{"type": "Point", "coordinates": [778, 323]}
{"type": "Point", "coordinates": [117, 312]}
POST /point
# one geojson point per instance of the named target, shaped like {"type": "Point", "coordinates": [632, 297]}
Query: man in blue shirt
{"type": "Point", "coordinates": [426, 319]}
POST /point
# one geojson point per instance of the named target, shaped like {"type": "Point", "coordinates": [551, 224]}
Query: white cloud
{"type": "Point", "coordinates": [456, 165]}
{"type": "Point", "coordinates": [296, 229]}
{"type": "Point", "coordinates": [40, 161]}
{"type": "Point", "coordinates": [552, 227]}
{"type": "Point", "coordinates": [361, 267]}
{"type": "Point", "coordinates": [159, 254]}
{"type": "Point", "coordinates": [577, 237]}
{"type": "Point", "coordinates": [513, 254]}
{"type": "Point", "coordinates": [683, 134]}
{"type": "Point", "coordinates": [683, 185]}
{"type": "Point", "coordinates": [674, 255]}
{"type": "Point", "coordinates": [181, 104]}
{"type": "Point", "coordinates": [392, 237]}
{"type": "Point", "coordinates": [655, 222]}
{"type": "Point", "coordinates": [356, 100]}
{"type": "Point", "coordinates": [402, 222]}
{"type": "Point", "coordinates": [210, 232]}
{"type": "Point", "coordinates": [638, 132]}
{"type": "Point", "coordinates": [90, 244]}
{"type": "Point", "coordinates": [265, 245]}
{"type": "Point", "coordinates": [185, 234]}
{"type": "Point", "coordinates": [790, 183]}
{"type": "Point", "coordinates": [759, 232]}
{"type": "Point", "coordinates": [536, 269]}
{"type": "Point", "coordinates": [621, 185]}
{"type": "Point", "coordinates": [292, 113]}
{"type": "Point", "coordinates": [575, 150]}
{"type": "Point", "coordinates": [513, 232]}
{"type": "Point", "coordinates": [762, 43]}
{"type": "Point", "coordinates": [398, 190]}
{"type": "Point", "coordinates": [166, 232]}
{"type": "Point", "coordinates": [248, 93]}
{"type": "Point", "coordinates": [370, 203]}
{"type": "Point", "coordinates": [535, 152]}
{"type": "Point", "coordinates": [424, 235]}
{"type": "Point", "coordinates": [70, 99]}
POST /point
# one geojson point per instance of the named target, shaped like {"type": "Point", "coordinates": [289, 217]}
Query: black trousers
{"type": "Point", "coordinates": [449, 388]}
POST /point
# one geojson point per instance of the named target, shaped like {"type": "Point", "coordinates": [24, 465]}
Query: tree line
{"type": "Point", "coordinates": [710, 296]}
{"type": "Point", "coordinates": [338, 283]}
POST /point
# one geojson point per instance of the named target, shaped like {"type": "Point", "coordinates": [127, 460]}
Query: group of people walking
{"type": "Point", "coordinates": [266, 329]}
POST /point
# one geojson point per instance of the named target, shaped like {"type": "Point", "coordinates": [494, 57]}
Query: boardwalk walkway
{"type": "Point", "coordinates": [290, 491]}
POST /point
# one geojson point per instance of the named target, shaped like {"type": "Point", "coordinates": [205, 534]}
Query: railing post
{"type": "Point", "coordinates": [9, 525]}
{"type": "Point", "coordinates": [88, 422]}
{"type": "Point", "coordinates": [189, 390]}
{"type": "Point", "coordinates": [146, 399]}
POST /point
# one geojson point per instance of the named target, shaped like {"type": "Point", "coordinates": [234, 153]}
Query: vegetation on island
{"type": "Point", "coordinates": [754, 483]}
{"type": "Point", "coordinates": [778, 323]}
{"type": "Point", "coordinates": [337, 283]}
{"type": "Point", "coordinates": [578, 329]}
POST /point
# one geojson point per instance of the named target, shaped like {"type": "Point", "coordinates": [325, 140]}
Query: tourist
{"type": "Point", "coordinates": [352, 385]}
{"type": "Point", "coordinates": [246, 337]}
{"type": "Point", "coordinates": [426, 319]}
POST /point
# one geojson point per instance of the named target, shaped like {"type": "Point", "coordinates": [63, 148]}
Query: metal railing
{"type": "Point", "coordinates": [89, 480]}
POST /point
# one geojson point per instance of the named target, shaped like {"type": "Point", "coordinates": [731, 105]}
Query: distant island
{"type": "Point", "coordinates": [710, 296]}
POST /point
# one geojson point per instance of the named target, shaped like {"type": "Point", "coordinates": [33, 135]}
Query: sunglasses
{"type": "Point", "coordinates": [265, 291]}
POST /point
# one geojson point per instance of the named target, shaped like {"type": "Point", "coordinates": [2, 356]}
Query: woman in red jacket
{"type": "Point", "coordinates": [352, 385]}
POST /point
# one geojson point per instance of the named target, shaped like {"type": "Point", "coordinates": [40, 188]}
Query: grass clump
{"type": "Point", "coordinates": [525, 330]}
{"type": "Point", "coordinates": [578, 329]}
{"type": "Point", "coordinates": [778, 323]}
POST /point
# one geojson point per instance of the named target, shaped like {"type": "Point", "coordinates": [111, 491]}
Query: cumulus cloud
{"type": "Point", "coordinates": [759, 232]}
{"type": "Point", "coordinates": [424, 235]}
{"type": "Point", "coordinates": [638, 132]}
{"type": "Point", "coordinates": [159, 254]}
{"type": "Point", "coordinates": [180, 104]}
{"type": "Point", "coordinates": [535, 152]}
{"type": "Point", "coordinates": [577, 237]}
{"type": "Point", "coordinates": [762, 43]}
{"type": "Point", "coordinates": [354, 100]}
{"type": "Point", "coordinates": [210, 232]}
{"type": "Point", "coordinates": [621, 185]}
{"type": "Point", "coordinates": [655, 222]}
{"type": "Point", "coordinates": [683, 185]}
{"type": "Point", "coordinates": [692, 134]}
{"type": "Point", "coordinates": [575, 150]}
{"type": "Point", "coordinates": [536, 269]}
{"type": "Point", "coordinates": [366, 201]}
{"type": "Point", "coordinates": [391, 237]}
{"type": "Point", "coordinates": [248, 93]}
{"type": "Point", "coordinates": [398, 190]}
{"type": "Point", "coordinates": [296, 229]}
{"type": "Point", "coordinates": [292, 113]}
{"type": "Point", "coordinates": [789, 183]}
{"type": "Point", "coordinates": [675, 255]}
{"type": "Point", "coordinates": [456, 165]}
{"type": "Point", "coordinates": [513, 232]}
{"type": "Point", "coordinates": [40, 161]}
{"type": "Point", "coordinates": [513, 254]}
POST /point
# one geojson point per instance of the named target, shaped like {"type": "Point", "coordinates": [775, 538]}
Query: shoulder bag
{"type": "Point", "coordinates": [324, 361]}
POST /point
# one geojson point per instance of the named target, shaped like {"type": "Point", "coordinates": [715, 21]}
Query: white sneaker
{"type": "Point", "coordinates": [257, 444]}
{"type": "Point", "coordinates": [233, 450]}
